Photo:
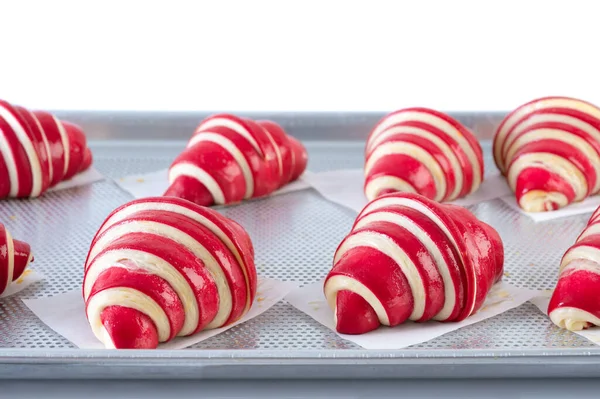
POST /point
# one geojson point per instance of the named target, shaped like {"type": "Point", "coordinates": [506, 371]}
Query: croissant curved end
{"type": "Point", "coordinates": [572, 319]}
{"type": "Point", "coordinates": [23, 257]}
{"type": "Point", "coordinates": [126, 328]}
{"type": "Point", "coordinates": [542, 201]}
{"type": "Point", "coordinates": [15, 256]}
{"type": "Point", "coordinates": [353, 315]}
{"type": "Point", "coordinates": [574, 302]}
{"type": "Point", "coordinates": [190, 189]}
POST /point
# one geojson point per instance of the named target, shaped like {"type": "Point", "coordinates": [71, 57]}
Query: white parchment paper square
{"type": "Point", "coordinates": [156, 183]}
{"type": "Point", "coordinates": [28, 277]}
{"type": "Point", "coordinates": [82, 179]}
{"type": "Point", "coordinates": [311, 300]}
{"type": "Point", "coordinates": [65, 314]}
{"type": "Point", "coordinates": [345, 187]}
{"type": "Point", "coordinates": [589, 205]}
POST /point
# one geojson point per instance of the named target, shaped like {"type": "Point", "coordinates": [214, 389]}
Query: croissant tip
{"type": "Point", "coordinates": [191, 190]}
{"type": "Point", "coordinates": [349, 305]}
{"type": "Point", "coordinates": [127, 328]}
{"type": "Point", "coordinates": [536, 201]}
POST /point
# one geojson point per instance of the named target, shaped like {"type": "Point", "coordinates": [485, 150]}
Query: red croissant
{"type": "Point", "coordinates": [37, 151]}
{"type": "Point", "coordinates": [549, 151]}
{"type": "Point", "coordinates": [15, 255]}
{"type": "Point", "coordinates": [422, 151]}
{"type": "Point", "coordinates": [164, 267]}
{"type": "Point", "coordinates": [574, 304]}
{"type": "Point", "coordinates": [230, 159]}
{"type": "Point", "coordinates": [410, 258]}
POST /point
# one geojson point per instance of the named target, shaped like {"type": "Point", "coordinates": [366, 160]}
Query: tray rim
{"type": "Point", "coordinates": [329, 364]}
{"type": "Point", "coordinates": [316, 355]}
{"type": "Point", "coordinates": [304, 125]}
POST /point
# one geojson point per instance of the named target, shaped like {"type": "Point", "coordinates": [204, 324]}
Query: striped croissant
{"type": "Point", "coordinates": [15, 255]}
{"type": "Point", "coordinates": [574, 304]}
{"type": "Point", "coordinates": [164, 267]}
{"type": "Point", "coordinates": [410, 258]}
{"type": "Point", "coordinates": [37, 151]}
{"type": "Point", "coordinates": [419, 150]}
{"type": "Point", "coordinates": [549, 151]}
{"type": "Point", "coordinates": [230, 159]}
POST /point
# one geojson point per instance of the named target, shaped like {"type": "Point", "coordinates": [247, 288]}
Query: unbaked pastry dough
{"type": "Point", "coordinates": [164, 267]}
{"type": "Point", "coordinates": [419, 150]}
{"type": "Point", "coordinates": [574, 304]}
{"type": "Point", "coordinates": [549, 151]}
{"type": "Point", "coordinates": [38, 151]}
{"type": "Point", "coordinates": [410, 258]}
{"type": "Point", "coordinates": [230, 159]}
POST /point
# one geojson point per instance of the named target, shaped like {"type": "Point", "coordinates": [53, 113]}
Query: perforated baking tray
{"type": "Point", "coordinates": [294, 235]}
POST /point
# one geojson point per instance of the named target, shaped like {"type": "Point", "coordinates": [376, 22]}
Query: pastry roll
{"type": "Point", "coordinates": [419, 150]}
{"type": "Point", "coordinates": [37, 151]}
{"type": "Point", "coordinates": [574, 304]}
{"type": "Point", "coordinates": [549, 151]}
{"type": "Point", "coordinates": [230, 159]}
{"type": "Point", "coordinates": [164, 267]}
{"type": "Point", "coordinates": [411, 258]}
{"type": "Point", "coordinates": [15, 256]}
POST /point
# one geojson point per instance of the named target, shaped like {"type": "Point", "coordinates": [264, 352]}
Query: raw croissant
{"type": "Point", "coordinates": [422, 151]}
{"type": "Point", "coordinates": [164, 267]}
{"type": "Point", "coordinates": [410, 258]}
{"type": "Point", "coordinates": [574, 304]}
{"type": "Point", "coordinates": [549, 151]}
{"type": "Point", "coordinates": [230, 159]}
{"type": "Point", "coordinates": [37, 151]}
{"type": "Point", "coordinates": [15, 255]}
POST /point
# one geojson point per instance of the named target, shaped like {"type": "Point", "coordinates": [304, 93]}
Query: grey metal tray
{"type": "Point", "coordinates": [294, 235]}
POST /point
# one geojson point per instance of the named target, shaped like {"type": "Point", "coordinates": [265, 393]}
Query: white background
{"type": "Point", "coordinates": [297, 54]}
